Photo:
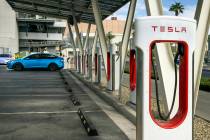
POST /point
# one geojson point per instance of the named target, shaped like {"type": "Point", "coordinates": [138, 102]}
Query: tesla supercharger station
{"type": "Point", "coordinates": [97, 60]}
{"type": "Point", "coordinates": [113, 66]}
{"type": "Point", "coordinates": [133, 75]}
{"type": "Point", "coordinates": [150, 31]}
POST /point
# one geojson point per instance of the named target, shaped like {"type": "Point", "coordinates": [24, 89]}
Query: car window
{"type": "Point", "coordinates": [5, 55]}
{"type": "Point", "coordinates": [48, 56]}
{"type": "Point", "coordinates": [34, 56]}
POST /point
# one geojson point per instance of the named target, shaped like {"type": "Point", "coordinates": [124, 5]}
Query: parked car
{"type": "Point", "coordinates": [4, 58]}
{"type": "Point", "coordinates": [37, 61]}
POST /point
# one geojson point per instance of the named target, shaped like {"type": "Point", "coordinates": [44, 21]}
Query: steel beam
{"type": "Point", "coordinates": [79, 43]}
{"type": "Point", "coordinates": [87, 37]}
{"type": "Point", "coordinates": [125, 39]}
{"type": "Point", "coordinates": [71, 37]}
{"type": "Point", "coordinates": [84, 49]}
{"type": "Point", "coordinates": [202, 16]}
{"type": "Point", "coordinates": [93, 49]}
{"type": "Point", "coordinates": [154, 7]}
{"type": "Point", "coordinates": [78, 34]}
{"type": "Point", "coordinates": [73, 43]}
{"type": "Point", "coordinates": [94, 45]}
{"type": "Point", "coordinates": [101, 33]}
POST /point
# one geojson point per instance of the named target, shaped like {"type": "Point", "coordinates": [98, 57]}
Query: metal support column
{"type": "Point", "coordinates": [73, 43]}
{"type": "Point", "coordinates": [101, 33]}
{"type": "Point", "coordinates": [154, 7]}
{"type": "Point", "coordinates": [93, 52]}
{"type": "Point", "coordinates": [87, 37]}
{"type": "Point", "coordinates": [202, 16]}
{"type": "Point", "coordinates": [84, 49]}
{"type": "Point", "coordinates": [94, 45]}
{"type": "Point", "coordinates": [125, 39]}
{"type": "Point", "coordinates": [78, 35]}
{"type": "Point", "coordinates": [79, 42]}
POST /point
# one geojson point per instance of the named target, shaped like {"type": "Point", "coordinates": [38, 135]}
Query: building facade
{"type": "Point", "coordinates": [39, 34]}
{"type": "Point", "coordinates": [116, 27]}
{"type": "Point", "coordinates": [8, 29]}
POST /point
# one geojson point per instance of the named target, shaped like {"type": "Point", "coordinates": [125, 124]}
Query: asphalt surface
{"type": "Point", "coordinates": [35, 105]}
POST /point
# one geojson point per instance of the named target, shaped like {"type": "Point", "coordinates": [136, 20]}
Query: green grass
{"type": "Point", "coordinates": [205, 84]}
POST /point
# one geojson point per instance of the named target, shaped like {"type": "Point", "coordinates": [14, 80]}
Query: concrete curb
{"type": "Point", "coordinates": [126, 111]}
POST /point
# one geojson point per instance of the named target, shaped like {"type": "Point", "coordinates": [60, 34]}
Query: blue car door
{"type": "Point", "coordinates": [44, 61]}
{"type": "Point", "coordinates": [32, 61]}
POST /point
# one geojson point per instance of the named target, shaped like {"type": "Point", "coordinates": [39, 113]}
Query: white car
{"type": "Point", "coordinates": [4, 58]}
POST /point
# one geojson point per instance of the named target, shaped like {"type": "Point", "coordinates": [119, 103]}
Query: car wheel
{"type": "Point", "coordinates": [52, 67]}
{"type": "Point", "coordinates": [18, 67]}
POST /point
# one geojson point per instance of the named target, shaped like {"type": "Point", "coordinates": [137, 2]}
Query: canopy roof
{"type": "Point", "coordinates": [65, 8]}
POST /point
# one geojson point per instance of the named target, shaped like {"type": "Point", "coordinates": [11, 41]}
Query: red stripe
{"type": "Point", "coordinates": [132, 70]}
{"type": "Point", "coordinates": [96, 63]}
{"type": "Point", "coordinates": [108, 66]}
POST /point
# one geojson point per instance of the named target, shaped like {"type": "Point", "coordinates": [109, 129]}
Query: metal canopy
{"type": "Point", "coordinates": [65, 8]}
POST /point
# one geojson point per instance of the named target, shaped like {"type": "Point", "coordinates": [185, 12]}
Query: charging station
{"type": "Point", "coordinates": [150, 31]}
{"type": "Point", "coordinates": [98, 65]}
{"type": "Point", "coordinates": [132, 76]}
{"type": "Point", "coordinates": [113, 67]}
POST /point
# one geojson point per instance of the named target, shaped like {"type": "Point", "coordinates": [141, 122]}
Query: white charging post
{"type": "Point", "coordinates": [149, 32]}
{"type": "Point", "coordinates": [113, 75]}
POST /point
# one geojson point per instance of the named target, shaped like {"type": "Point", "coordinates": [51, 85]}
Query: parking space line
{"type": "Point", "coordinates": [54, 112]}
{"type": "Point", "coordinates": [34, 95]}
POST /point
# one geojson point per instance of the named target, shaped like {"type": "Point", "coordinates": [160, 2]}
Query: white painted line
{"type": "Point", "coordinates": [28, 113]}
{"type": "Point", "coordinates": [54, 112]}
{"type": "Point", "coordinates": [35, 95]}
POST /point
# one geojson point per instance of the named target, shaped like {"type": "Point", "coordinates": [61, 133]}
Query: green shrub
{"type": "Point", "coordinates": [205, 84]}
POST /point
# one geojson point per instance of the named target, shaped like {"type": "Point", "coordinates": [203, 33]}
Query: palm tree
{"type": "Point", "coordinates": [177, 8]}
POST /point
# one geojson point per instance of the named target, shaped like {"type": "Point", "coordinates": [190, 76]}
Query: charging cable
{"type": "Point", "coordinates": [179, 53]}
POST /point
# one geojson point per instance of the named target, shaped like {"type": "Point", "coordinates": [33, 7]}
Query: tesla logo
{"type": "Point", "coordinates": [169, 29]}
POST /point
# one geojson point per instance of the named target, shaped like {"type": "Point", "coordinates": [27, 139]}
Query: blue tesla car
{"type": "Point", "coordinates": [37, 61]}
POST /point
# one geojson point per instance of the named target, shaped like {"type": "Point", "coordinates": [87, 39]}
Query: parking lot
{"type": "Point", "coordinates": [36, 105]}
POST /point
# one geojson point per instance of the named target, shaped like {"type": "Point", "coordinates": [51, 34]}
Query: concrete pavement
{"type": "Point", "coordinates": [35, 105]}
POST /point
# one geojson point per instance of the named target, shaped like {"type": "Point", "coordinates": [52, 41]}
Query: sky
{"type": "Point", "coordinates": [190, 6]}
{"type": "Point", "coordinates": [189, 11]}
